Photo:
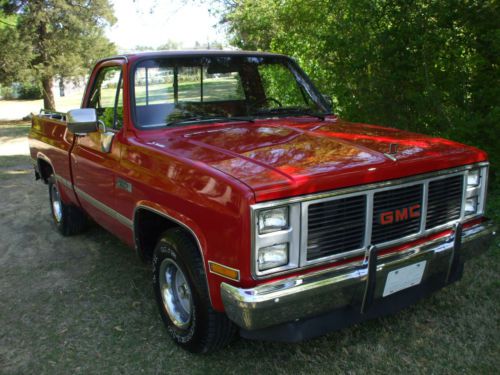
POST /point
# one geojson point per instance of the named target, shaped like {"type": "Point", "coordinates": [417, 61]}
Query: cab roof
{"type": "Point", "coordinates": [189, 53]}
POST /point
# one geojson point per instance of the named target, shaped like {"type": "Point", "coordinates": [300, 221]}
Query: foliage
{"type": "Point", "coordinates": [6, 92]}
{"type": "Point", "coordinates": [425, 65]}
{"type": "Point", "coordinates": [53, 38]}
{"type": "Point", "coordinates": [30, 91]}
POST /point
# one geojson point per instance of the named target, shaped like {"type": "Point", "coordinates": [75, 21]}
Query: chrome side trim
{"type": "Point", "coordinates": [106, 209]}
{"type": "Point", "coordinates": [94, 202]}
{"type": "Point", "coordinates": [63, 181]}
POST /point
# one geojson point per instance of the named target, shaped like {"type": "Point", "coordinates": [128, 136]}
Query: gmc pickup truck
{"type": "Point", "coordinates": [260, 211]}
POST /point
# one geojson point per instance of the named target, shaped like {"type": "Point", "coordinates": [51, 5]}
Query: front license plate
{"type": "Point", "coordinates": [404, 277]}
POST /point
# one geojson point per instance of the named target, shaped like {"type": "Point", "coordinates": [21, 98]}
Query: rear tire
{"type": "Point", "coordinates": [181, 292]}
{"type": "Point", "coordinates": [68, 219]}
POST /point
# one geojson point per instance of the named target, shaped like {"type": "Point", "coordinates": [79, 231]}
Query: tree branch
{"type": "Point", "coordinates": [6, 23]}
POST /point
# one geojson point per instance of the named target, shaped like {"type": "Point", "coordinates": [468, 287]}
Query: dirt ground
{"type": "Point", "coordinates": [84, 304]}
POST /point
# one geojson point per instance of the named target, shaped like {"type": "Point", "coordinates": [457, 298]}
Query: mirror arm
{"type": "Point", "coordinates": [102, 126]}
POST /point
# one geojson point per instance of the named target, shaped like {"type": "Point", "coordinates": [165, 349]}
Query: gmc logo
{"type": "Point", "coordinates": [398, 215]}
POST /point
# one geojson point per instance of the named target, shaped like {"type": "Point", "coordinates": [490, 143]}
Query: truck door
{"type": "Point", "coordinates": [96, 156]}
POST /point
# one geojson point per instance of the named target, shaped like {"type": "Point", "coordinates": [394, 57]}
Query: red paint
{"type": "Point", "coordinates": [207, 176]}
{"type": "Point", "coordinates": [398, 215]}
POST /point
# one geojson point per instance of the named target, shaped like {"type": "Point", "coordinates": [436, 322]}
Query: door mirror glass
{"type": "Point", "coordinates": [82, 121]}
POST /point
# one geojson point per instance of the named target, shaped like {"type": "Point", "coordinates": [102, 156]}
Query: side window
{"type": "Point", "coordinates": [107, 97]}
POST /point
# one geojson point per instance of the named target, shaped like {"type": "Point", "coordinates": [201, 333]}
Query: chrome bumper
{"type": "Point", "coordinates": [360, 284]}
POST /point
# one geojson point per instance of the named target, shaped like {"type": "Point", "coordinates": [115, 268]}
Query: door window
{"type": "Point", "coordinates": [107, 97]}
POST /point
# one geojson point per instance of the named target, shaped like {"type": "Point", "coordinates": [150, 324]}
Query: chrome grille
{"type": "Point", "coordinates": [336, 226]}
{"type": "Point", "coordinates": [396, 204]}
{"type": "Point", "coordinates": [445, 201]}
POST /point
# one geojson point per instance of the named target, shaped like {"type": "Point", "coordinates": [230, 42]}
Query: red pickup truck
{"type": "Point", "coordinates": [260, 210]}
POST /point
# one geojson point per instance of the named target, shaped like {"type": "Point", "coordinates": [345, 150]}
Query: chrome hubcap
{"type": "Point", "coordinates": [175, 293]}
{"type": "Point", "coordinates": [56, 203]}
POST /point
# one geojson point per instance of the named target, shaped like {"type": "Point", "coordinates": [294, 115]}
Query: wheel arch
{"type": "Point", "coordinates": [45, 167]}
{"type": "Point", "coordinates": [145, 243]}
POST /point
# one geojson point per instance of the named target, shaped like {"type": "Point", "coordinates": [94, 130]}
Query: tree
{"type": "Point", "coordinates": [425, 65]}
{"type": "Point", "coordinates": [53, 38]}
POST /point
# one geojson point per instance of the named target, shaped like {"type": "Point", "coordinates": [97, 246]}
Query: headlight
{"type": "Point", "coordinates": [473, 178]}
{"type": "Point", "coordinates": [273, 220]}
{"type": "Point", "coordinates": [273, 256]}
{"type": "Point", "coordinates": [476, 191]}
{"type": "Point", "coordinates": [471, 206]}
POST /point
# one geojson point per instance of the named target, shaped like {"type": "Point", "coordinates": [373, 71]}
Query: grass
{"type": "Point", "coordinates": [84, 304]}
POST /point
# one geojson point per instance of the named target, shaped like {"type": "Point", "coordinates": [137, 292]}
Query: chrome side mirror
{"type": "Point", "coordinates": [82, 121]}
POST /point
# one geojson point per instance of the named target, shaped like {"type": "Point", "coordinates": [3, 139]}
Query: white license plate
{"type": "Point", "coordinates": [404, 277]}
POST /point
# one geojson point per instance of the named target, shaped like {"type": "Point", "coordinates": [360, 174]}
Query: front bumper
{"type": "Point", "coordinates": [357, 287]}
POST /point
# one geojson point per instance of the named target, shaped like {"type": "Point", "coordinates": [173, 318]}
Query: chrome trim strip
{"type": "Point", "coordinates": [94, 202]}
{"type": "Point", "coordinates": [63, 181]}
{"type": "Point", "coordinates": [368, 190]}
{"type": "Point", "coordinates": [106, 209]}
{"type": "Point", "coordinates": [223, 266]}
{"type": "Point", "coordinates": [425, 204]}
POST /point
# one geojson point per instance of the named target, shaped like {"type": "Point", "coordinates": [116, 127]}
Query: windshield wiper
{"type": "Point", "coordinates": [209, 119]}
{"type": "Point", "coordinates": [292, 111]}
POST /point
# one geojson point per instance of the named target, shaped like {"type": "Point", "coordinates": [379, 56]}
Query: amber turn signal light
{"type": "Point", "coordinates": [224, 271]}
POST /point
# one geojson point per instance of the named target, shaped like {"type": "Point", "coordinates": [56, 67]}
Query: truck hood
{"type": "Point", "coordinates": [277, 158]}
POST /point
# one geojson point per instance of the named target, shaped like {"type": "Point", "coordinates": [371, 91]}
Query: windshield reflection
{"type": "Point", "coordinates": [175, 91]}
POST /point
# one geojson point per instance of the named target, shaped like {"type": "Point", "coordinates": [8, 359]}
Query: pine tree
{"type": "Point", "coordinates": [52, 38]}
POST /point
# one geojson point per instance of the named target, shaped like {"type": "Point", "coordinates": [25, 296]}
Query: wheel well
{"type": "Point", "coordinates": [148, 227]}
{"type": "Point", "coordinates": [45, 170]}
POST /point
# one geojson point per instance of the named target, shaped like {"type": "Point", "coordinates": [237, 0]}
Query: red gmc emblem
{"type": "Point", "coordinates": [399, 214]}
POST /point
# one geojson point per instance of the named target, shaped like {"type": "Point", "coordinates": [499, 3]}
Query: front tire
{"type": "Point", "coordinates": [68, 219]}
{"type": "Point", "coordinates": [181, 292]}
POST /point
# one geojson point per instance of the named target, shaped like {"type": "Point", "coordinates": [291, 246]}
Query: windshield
{"type": "Point", "coordinates": [172, 91]}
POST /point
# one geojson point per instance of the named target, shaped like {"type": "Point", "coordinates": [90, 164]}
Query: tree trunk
{"type": "Point", "coordinates": [48, 96]}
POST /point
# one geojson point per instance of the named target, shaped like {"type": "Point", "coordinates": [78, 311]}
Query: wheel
{"type": "Point", "coordinates": [68, 219]}
{"type": "Point", "coordinates": [182, 295]}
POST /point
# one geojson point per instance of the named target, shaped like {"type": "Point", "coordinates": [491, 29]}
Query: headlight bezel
{"type": "Point", "coordinates": [475, 189]}
{"type": "Point", "coordinates": [289, 234]}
